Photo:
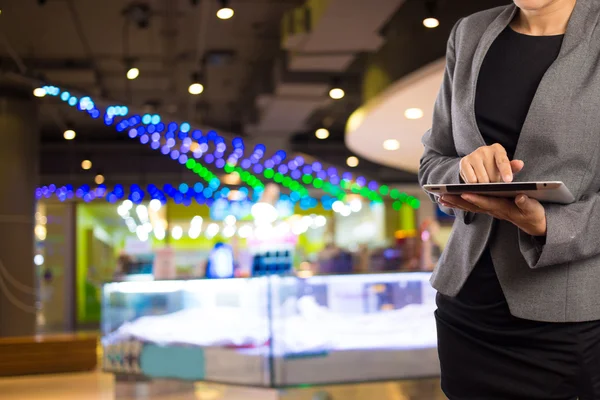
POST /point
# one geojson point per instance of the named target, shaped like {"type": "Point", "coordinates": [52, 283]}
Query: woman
{"type": "Point", "coordinates": [519, 283]}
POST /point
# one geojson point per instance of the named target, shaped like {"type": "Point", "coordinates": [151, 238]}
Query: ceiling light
{"type": "Point", "coordinates": [196, 88]}
{"type": "Point", "coordinates": [391, 144]}
{"type": "Point", "coordinates": [413, 113]}
{"type": "Point", "coordinates": [225, 12]}
{"type": "Point", "coordinates": [69, 134]}
{"type": "Point", "coordinates": [431, 22]}
{"type": "Point", "coordinates": [38, 260]}
{"type": "Point", "coordinates": [99, 179]}
{"type": "Point", "coordinates": [231, 179]}
{"type": "Point", "coordinates": [337, 93]}
{"type": "Point", "coordinates": [39, 92]}
{"type": "Point", "coordinates": [86, 164]}
{"type": "Point", "coordinates": [352, 161]}
{"type": "Point", "coordinates": [133, 73]}
{"type": "Point", "coordinates": [322, 133]}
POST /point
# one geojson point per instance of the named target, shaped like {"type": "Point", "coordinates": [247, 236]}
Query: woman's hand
{"type": "Point", "coordinates": [526, 213]}
{"type": "Point", "coordinates": [489, 164]}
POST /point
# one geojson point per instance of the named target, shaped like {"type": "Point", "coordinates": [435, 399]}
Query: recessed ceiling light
{"type": "Point", "coordinates": [86, 164]}
{"type": "Point", "coordinates": [391, 144]}
{"type": "Point", "coordinates": [337, 93]}
{"type": "Point", "coordinates": [352, 161]}
{"type": "Point", "coordinates": [133, 73]}
{"type": "Point", "coordinates": [431, 22]}
{"type": "Point", "coordinates": [196, 88]}
{"type": "Point", "coordinates": [413, 113]}
{"type": "Point", "coordinates": [225, 12]}
{"type": "Point", "coordinates": [69, 134]}
{"type": "Point", "coordinates": [322, 133]}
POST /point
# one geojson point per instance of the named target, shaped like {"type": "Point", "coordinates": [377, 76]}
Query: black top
{"type": "Point", "coordinates": [509, 77]}
{"type": "Point", "coordinates": [507, 83]}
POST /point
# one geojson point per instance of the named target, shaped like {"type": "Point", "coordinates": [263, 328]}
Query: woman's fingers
{"type": "Point", "coordinates": [489, 164]}
{"type": "Point", "coordinates": [480, 170]}
{"type": "Point", "coordinates": [467, 171]}
{"type": "Point", "coordinates": [502, 163]}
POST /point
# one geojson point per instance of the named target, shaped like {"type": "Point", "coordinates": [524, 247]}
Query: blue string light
{"type": "Point", "coordinates": [291, 168]}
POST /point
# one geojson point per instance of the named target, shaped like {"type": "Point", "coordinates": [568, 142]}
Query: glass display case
{"type": "Point", "coordinates": [273, 331]}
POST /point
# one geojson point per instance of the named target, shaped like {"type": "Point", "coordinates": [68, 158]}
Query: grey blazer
{"type": "Point", "coordinates": [560, 140]}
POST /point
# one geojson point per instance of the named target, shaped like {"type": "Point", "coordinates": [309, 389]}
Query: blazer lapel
{"type": "Point", "coordinates": [557, 86]}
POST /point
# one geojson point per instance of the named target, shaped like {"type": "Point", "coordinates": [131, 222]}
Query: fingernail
{"type": "Point", "coordinates": [508, 178]}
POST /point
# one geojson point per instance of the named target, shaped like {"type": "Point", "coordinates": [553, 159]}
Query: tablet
{"type": "Point", "coordinates": [548, 192]}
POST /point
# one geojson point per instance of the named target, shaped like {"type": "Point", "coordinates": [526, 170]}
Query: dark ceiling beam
{"type": "Point", "coordinates": [86, 46]}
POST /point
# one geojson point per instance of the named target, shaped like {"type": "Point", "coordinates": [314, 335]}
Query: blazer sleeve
{"type": "Point", "coordinates": [440, 161]}
{"type": "Point", "coordinates": [572, 234]}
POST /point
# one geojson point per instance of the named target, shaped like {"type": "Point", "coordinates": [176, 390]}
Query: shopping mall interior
{"type": "Point", "coordinates": [210, 199]}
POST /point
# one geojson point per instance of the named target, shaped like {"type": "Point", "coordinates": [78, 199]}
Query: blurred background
{"type": "Point", "coordinates": [235, 178]}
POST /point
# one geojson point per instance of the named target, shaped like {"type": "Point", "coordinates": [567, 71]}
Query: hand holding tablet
{"type": "Point", "coordinates": [549, 192]}
{"type": "Point", "coordinates": [488, 171]}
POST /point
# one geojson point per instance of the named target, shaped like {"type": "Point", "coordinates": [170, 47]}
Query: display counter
{"type": "Point", "coordinates": [273, 331]}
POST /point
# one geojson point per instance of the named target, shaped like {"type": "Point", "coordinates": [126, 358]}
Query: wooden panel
{"type": "Point", "coordinates": [46, 354]}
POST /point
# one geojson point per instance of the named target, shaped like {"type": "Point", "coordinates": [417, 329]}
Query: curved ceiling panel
{"type": "Point", "coordinates": [383, 119]}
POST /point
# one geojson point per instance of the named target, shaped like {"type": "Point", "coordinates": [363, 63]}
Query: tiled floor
{"type": "Point", "coordinates": [98, 386]}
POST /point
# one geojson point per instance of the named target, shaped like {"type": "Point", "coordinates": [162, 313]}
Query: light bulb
{"type": "Point", "coordinates": [245, 231]}
{"type": "Point", "coordinates": [159, 233]}
{"type": "Point", "coordinates": [69, 134]}
{"type": "Point", "coordinates": [346, 211]}
{"type": "Point", "coordinates": [196, 88]}
{"type": "Point", "coordinates": [38, 260]}
{"type": "Point", "coordinates": [352, 161]}
{"type": "Point", "coordinates": [230, 220]}
{"type": "Point", "coordinates": [225, 13]}
{"type": "Point", "coordinates": [322, 133]}
{"type": "Point", "coordinates": [229, 231]}
{"type": "Point", "coordinates": [212, 230]}
{"type": "Point", "coordinates": [337, 93]}
{"type": "Point", "coordinates": [413, 113]}
{"type": "Point", "coordinates": [176, 232]}
{"type": "Point", "coordinates": [86, 164]}
{"type": "Point", "coordinates": [355, 205]}
{"type": "Point", "coordinates": [391, 144]}
{"type": "Point", "coordinates": [155, 205]}
{"type": "Point", "coordinates": [264, 213]}
{"type": "Point", "coordinates": [133, 73]}
{"type": "Point", "coordinates": [337, 206]}
{"type": "Point", "coordinates": [320, 221]}
{"type": "Point", "coordinates": [99, 179]}
{"type": "Point", "coordinates": [431, 22]}
{"type": "Point", "coordinates": [39, 92]}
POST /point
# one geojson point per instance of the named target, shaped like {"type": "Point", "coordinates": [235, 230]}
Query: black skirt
{"type": "Point", "coordinates": [486, 353]}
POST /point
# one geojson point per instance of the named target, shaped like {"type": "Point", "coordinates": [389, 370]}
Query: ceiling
{"type": "Point", "coordinates": [383, 119]}
{"type": "Point", "coordinates": [263, 86]}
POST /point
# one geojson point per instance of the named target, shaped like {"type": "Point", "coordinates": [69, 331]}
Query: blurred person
{"type": "Point", "coordinates": [518, 307]}
{"type": "Point", "coordinates": [123, 267]}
